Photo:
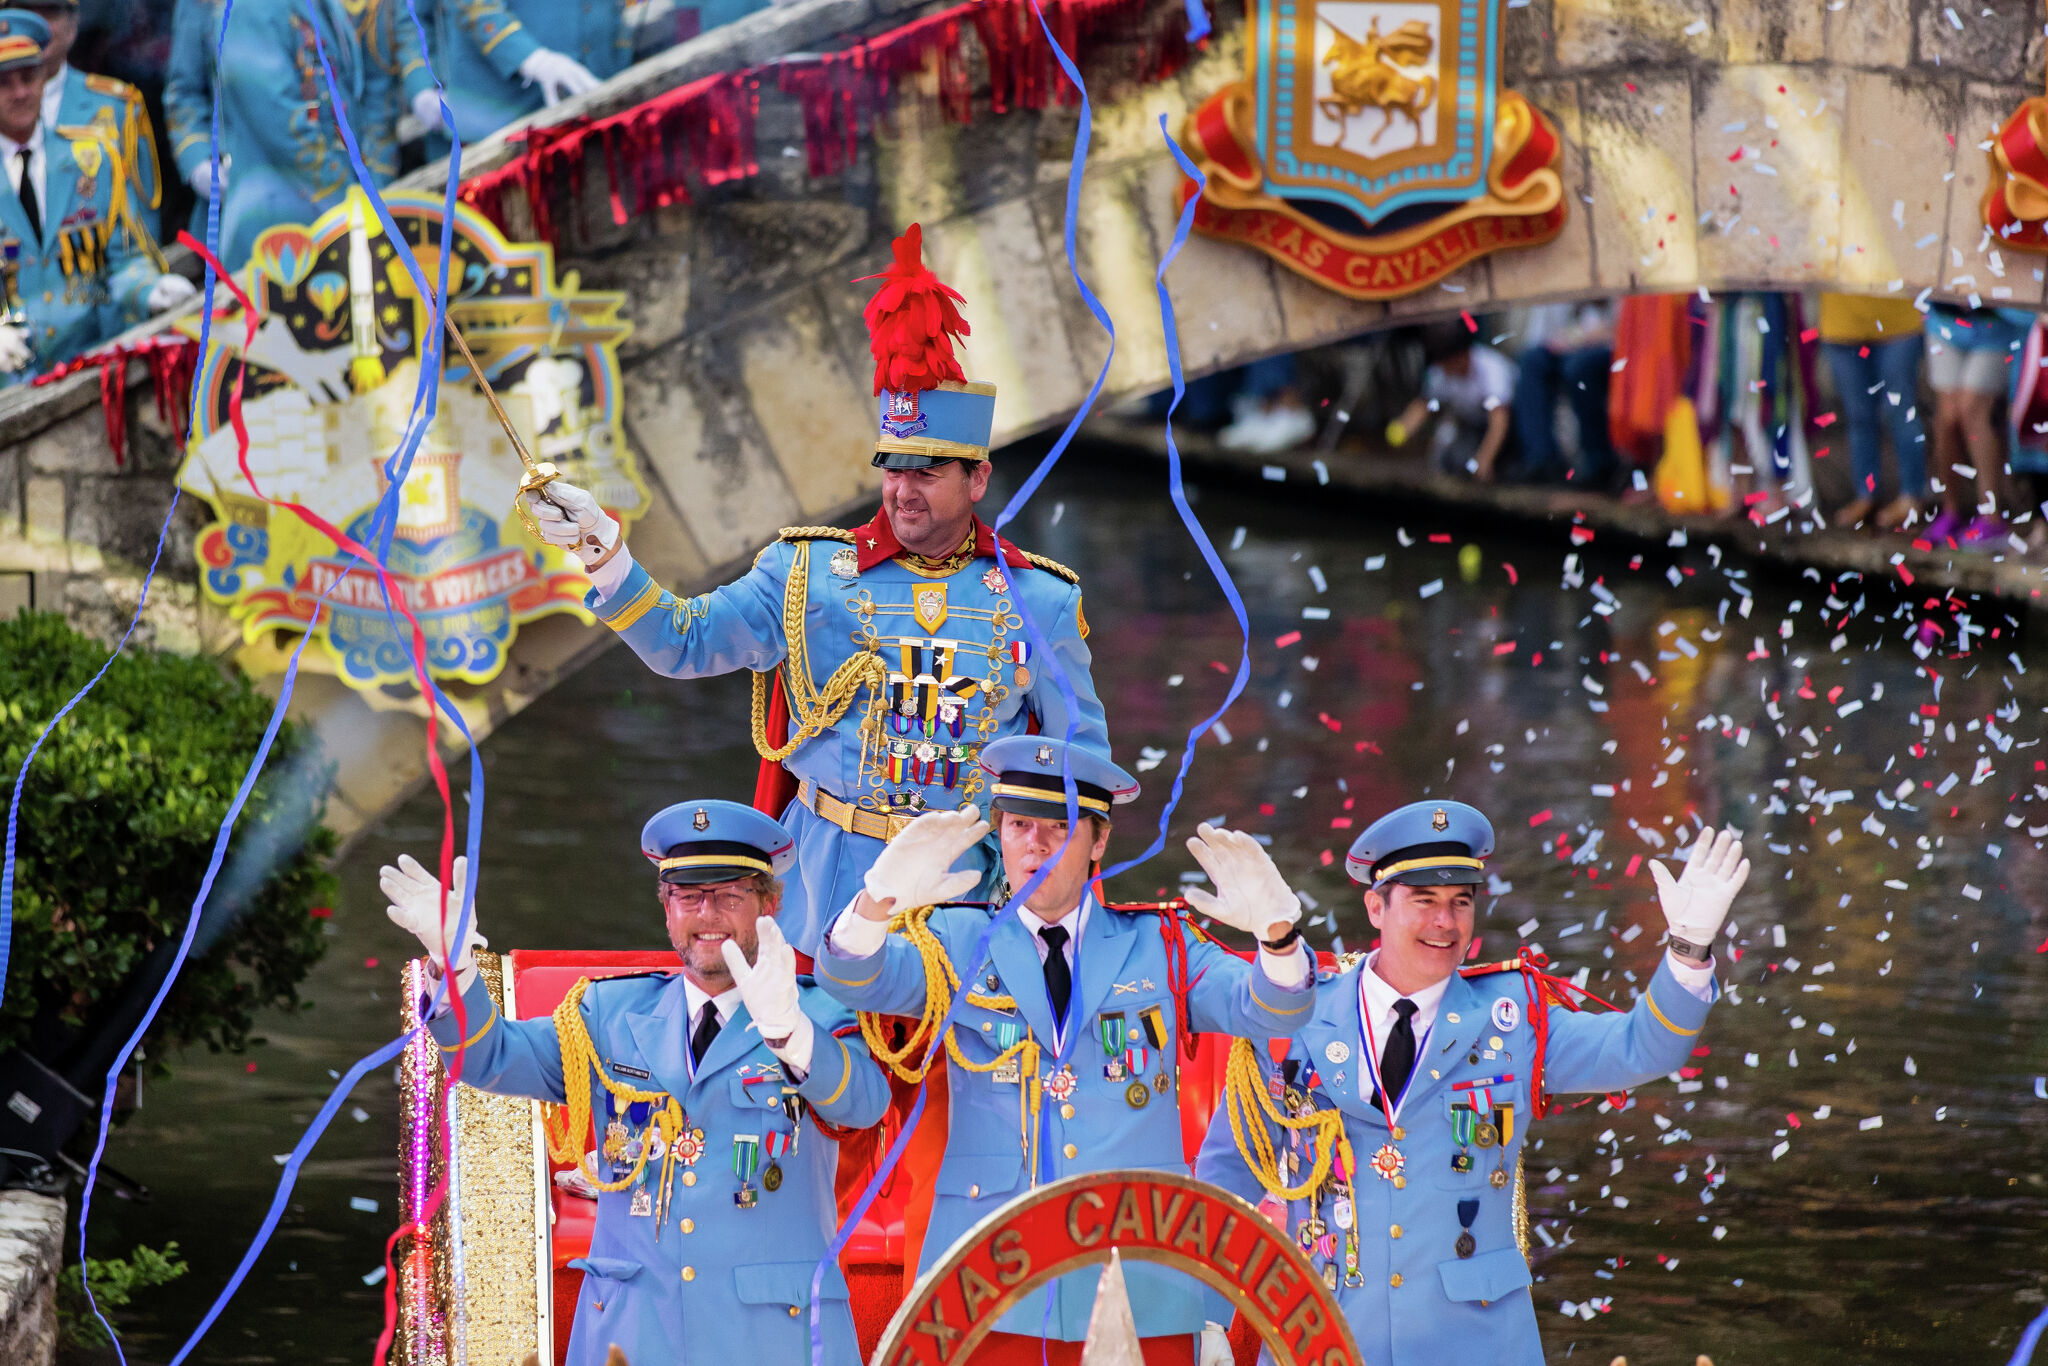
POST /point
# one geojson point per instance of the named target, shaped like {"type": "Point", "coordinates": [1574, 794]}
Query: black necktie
{"type": "Point", "coordinates": [707, 1030]}
{"type": "Point", "coordinates": [1059, 978]}
{"type": "Point", "coordinates": [30, 209]}
{"type": "Point", "coordinates": [1397, 1059]}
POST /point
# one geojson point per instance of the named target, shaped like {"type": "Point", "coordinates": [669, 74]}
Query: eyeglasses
{"type": "Point", "coordinates": [723, 900]}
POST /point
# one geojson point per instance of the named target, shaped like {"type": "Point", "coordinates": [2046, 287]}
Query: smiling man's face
{"type": "Point", "coordinates": [702, 916]}
{"type": "Point", "coordinates": [1424, 933]}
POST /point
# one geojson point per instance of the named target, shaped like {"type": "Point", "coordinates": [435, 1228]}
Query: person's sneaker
{"type": "Point", "coordinates": [1984, 531]}
{"type": "Point", "coordinates": [1284, 428]}
{"type": "Point", "coordinates": [1854, 513]}
{"type": "Point", "coordinates": [1897, 513]}
{"type": "Point", "coordinates": [1944, 528]}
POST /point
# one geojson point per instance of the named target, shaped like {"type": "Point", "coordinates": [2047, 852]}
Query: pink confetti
{"type": "Point", "coordinates": [1291, 638]}
{"type": "Point", "coordinates": [1539, 818]}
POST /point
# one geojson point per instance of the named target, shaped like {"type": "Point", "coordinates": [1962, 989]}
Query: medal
{"type": "Point", "coordinates": [771, 1180]}
{"type": "Point", "coordinates": [1137, 1095]}
{"type": "Point", "coordinates": [1159, 1082]}
{"type": "Point", "coordinates": [689, 1146]}
{"type": "Point", "coordinates": [1504, 1121]}
{"type": "Point", "coordinates": [1388, 1161]}
{"type": "Point", "coordinates": [1109, 1027]}
{"type": "Point", "coordinates": [1466, 1246]}
{"type": "Point", "coordinates": [1485, 1135]}
{"type": "Point", "coordinates": [846, 562]}
{"type": "Point", "coordinates": [1060, 1084]}
{"type": "Point", "coordinates": [994, 582]}
{"type": "Point", "coordinates": [1114, 1071]}
{"type": "Point", "coordinates": [1499, 1177]}
{"type": "Point", "coordinates": [1468, 1210]}
{"type": "Point", "coordinates": [1023, 677]}
{"type": "Point", "coordinates": [1330, 1275]}
{"type": "Point", "coordinates": [746, 1157]}
{"type": "Point", "coordinates": [643, 1202]}
{"type": "Point", "coordinates": [1462, 1120]}
{"type": "Point", "coordinates": [1461, 1163]}
{"type": "Point", "coordinates": [615, 1140]}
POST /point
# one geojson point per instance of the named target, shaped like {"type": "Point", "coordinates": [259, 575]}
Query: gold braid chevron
{"type": "Point", "coordinates": [812, 710]}
{"type": "Point", "coordinates": [1251, 1108]}
{"type": "Point", "coordinates": [908, 1062]}
{"type": "Point", "coordinates": [566, 1124]}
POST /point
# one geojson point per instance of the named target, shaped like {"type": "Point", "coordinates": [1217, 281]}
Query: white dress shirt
{"type": "Point", "coordinates": [38, 170]}
{"type": "Point", "coordinates": [725, 1003]}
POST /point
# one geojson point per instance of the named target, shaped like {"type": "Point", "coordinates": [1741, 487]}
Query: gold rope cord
{"type": "Point", "coordinates": [812, 710]}
{"type": "Point", "coordinates": [566, 1124]}
{"type": "Point", "coordinates": [1250, 1108]}
{"type": "Point", "coordinates": [940, 982]}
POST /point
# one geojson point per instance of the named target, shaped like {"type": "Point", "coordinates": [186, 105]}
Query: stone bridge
{"type": "Point", "coordinates": [1710, 144]}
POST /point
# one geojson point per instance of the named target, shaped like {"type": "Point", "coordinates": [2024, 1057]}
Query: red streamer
{"type": "Point", "coordinates": [172, 362]}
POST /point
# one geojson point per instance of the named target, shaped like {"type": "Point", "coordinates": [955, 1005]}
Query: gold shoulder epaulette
{"type": "Point", "coordinates": [110, 85]}
{"type": "Point", "coordinates": [1483, 969]}
{"type": "Point", "coordinates": [814, 533]}
{"type": "Point", "coordinates": [1053, 566]}
{"type": "Point", "coordinates": [1350, 959]}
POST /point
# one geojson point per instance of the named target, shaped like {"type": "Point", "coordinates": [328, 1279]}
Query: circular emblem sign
{"type": "Point", "coordinates": [1175, 1221]}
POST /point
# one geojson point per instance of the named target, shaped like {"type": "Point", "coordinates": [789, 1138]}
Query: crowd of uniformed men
{"type": "Point", "coordinates": [87, 201]}
{"type": "Point", "coordinates": [929, 672]}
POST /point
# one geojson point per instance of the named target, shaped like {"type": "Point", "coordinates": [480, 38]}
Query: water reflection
{"type": "Point", "coordinates": [1595, 708]}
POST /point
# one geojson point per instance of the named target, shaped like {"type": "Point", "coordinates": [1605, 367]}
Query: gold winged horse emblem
{"type": "Point", "coordinates": [1368, 75]}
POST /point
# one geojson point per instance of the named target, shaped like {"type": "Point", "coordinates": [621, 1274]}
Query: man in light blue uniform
{"type": "Point", "coordinates": [1436, 1073]}
{"type": "Point", "coordinates": [73, 99]}
{"type": "Point", "coordinates": [709, 1093]}
{"type": "Point", "coordinates": [79, 265]}
{"type": "Point", "coordinates": [283, 160]}
{"type": "Point", "coordinates": [914, 651]}
{"type": "Point", "coordinates": [1075, 1000]}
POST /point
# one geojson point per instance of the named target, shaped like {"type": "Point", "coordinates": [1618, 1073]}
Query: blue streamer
{"type": "Point", "coordinates": [2029, 1340]}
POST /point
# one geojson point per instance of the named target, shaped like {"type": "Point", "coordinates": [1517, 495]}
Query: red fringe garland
{"type": "Point", "coordinates": [172, 360]}
{"type": "Point", "coordinates": [703, 133]}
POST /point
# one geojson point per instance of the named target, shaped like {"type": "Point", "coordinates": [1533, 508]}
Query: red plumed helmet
{"type": "Point", "coordinates": [912, 321]}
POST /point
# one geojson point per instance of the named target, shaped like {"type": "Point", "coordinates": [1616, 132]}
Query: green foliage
{"type": "Point", "coordinates": [120, 812]}
{"type": "Point", "coordinates": [114, 1283]}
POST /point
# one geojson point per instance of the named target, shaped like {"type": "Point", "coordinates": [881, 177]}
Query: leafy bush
{"type": "Point", "coordinates": [120, 813]}
{"type": "Point", "coordinates": [114, 1283]}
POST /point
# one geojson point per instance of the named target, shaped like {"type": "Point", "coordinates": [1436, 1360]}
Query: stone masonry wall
{"type": "Point", "coordinates": [31, 1251]}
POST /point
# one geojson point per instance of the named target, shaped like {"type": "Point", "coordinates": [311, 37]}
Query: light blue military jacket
{"type": "Point", "coordinates": [477, 46]}
{"type": "Point", "coordinates": [286, 160]}
{"type": "Point", "coordinates": [1412, 1298]}
{"type": "Point", "coordinates": [107, 288]}
{"type": "Point", "coordinates": [847, 609]}
{"type": "Point", "coordinates": [117, 106]}
{"type": "Point", "coordinates": [1120, 976]}
{"type": "Point", "coordinates": [721, 1285]}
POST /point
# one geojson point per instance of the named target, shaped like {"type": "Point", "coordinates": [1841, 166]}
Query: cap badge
{"type": "Point", "coordinates": [1440, 819]}
{"type": "Point", "coordinates": [901, 418]}
{"type": "Point", "coordinates": [702, 820]}
{"type": "Point", "coordinates": [1044, 756]}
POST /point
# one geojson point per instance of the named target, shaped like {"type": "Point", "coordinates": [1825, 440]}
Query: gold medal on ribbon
{"type": "Point", "coordinates": [928, 605]}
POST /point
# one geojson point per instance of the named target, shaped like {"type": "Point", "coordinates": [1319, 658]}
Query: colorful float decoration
{"type": "Point", "coordinates": [2015, 203]}
{"type": "Point", "coordinates": [322, 390]}
{"type": "Point", "coordinates": [1371, 148]}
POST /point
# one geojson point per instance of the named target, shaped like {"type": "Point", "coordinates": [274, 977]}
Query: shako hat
{"type": "Point", "coordinates": [927, 410]}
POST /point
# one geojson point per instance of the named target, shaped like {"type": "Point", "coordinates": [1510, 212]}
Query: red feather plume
{"type": "Point", "coordinates": [912, 321]}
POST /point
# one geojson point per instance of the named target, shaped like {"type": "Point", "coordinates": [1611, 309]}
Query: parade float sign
{"type": "Point", "coordinates": [326, 381]}
{"type": "Point", "coordinates": [1371, 148]}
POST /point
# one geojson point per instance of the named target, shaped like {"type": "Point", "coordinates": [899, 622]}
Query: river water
{"type": "Point", "coordinates": [1855, 1172]}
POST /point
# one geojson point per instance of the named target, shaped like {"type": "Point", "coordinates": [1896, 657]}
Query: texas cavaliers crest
{"type": "Point", "coordinates": [1371, 148]}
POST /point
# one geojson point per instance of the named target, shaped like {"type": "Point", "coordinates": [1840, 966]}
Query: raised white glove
{"type": "Point", "coordinates": [1215, 1346]}
{"type": "Point", "coordinates": [1697, 900]}
{"type": "Point", "coordinates": [768, 986]}
{"type": "Point", "coordinates": [569, 517]}
{"type": "Point", "coordinates": [14, 349]}
{"type": "Point", "coordinates": [168, 292]}
{"type": "Point", "coordinates": [557, 74]}
{"type": "Point", "coordinates": [911, 872]}
{"type": "Point", "coordinates": [1250, 894]}
{"type": "Point", "coordinates": [426, 107]}
{"type": "Point", "coordinates": [417, 907]}
{"type": "Point", "coordinates": [321, 375]}
{"type": "Point", "coordinates": [202, 182]}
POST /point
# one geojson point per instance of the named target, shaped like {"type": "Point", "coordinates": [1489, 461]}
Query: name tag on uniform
{"type": "Point", "coordinates": [633, 1072]}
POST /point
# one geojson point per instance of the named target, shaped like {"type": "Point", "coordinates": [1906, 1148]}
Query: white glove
{"type": "Point", "coordinates": [1215, 1346]}
{"type": "Point", "coordinates": [322, 375]}
{"type": "Point", "coordinates": [417, 908]}
{"type": "Point", "coordinates": [1696, 902]}
{"type": "Point", "coordinates": [202, 182]}
{"type": "Point", "coordinates": [570, 518]}
{"type": "Point", "coordinates": [557, 74]}
{"type": "Point", "coordinates": [14, 348]}
{"type": "Point", "coordinates": [769, 989]}
{"type": "Point", "coordinates": [168, 292]}
{"type": "Point", "coordinates": [1250, 894]}
{"type": "Point", "coordinates": [911, 872]}
{"type": "Point", "coordinates": [426, 107]}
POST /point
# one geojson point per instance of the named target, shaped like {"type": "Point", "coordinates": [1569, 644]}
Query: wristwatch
{"type": "Point", "coordinates": [1699, 955]}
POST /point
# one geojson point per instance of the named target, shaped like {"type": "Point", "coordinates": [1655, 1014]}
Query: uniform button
{"type": "Point", "coordinates": [1399, 1133]}
{"type": "Point", "coordinates": [690, 1273]}
{"type": "Point", "coordinates": [987, 1026]}
{"type": "Point", "coordinates": [1066, 1112]}
{"type": "Point", "coordinates": [974, 1192]}
{"type": "Point", "coordinates": [794, 1311]}
{"type": "Point", "coordinates": [1070, 1150]}
{"type": "Point", "coordinates": [1393, 1280]}
{"type": "Point", "coordinates": [1394, 1232]}
{"type": "Point", "coordinates": [690, 1226]}
{"type": "Point", "coordinates": [689, 1178]}
{"type": "Point", "coordinates": [1400, 1182]}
